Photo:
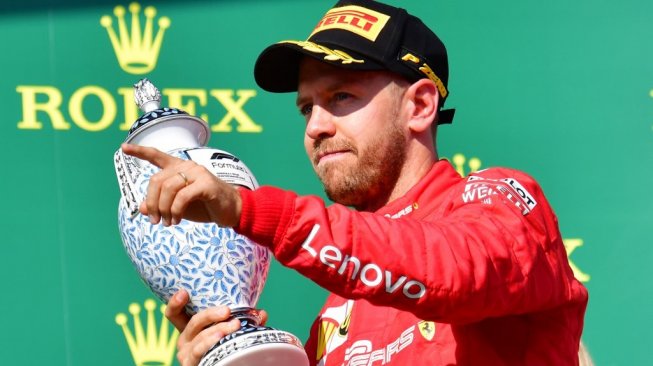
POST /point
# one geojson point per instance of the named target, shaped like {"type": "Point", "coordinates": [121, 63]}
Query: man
{"type": "Point", "coordinates": [430, 268]}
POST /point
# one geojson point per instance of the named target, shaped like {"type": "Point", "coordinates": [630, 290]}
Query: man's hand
{"type": "Point", "coordinates": [184, 189]}
{"type": "Point", "coordinates": [201, 331]}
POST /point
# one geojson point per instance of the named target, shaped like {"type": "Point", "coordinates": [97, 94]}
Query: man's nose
{"type": "Point", "coordinates": [320, 124]}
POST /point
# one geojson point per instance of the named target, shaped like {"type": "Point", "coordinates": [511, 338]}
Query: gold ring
{"type": "Point", "coordinates": [183, 176]}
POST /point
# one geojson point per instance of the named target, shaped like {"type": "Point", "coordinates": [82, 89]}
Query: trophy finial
{"type": "Point", "coordinates": [146, 96]}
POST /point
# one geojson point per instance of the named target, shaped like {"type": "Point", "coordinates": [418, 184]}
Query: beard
{"type": "Point", "coordinates": [367, 183]}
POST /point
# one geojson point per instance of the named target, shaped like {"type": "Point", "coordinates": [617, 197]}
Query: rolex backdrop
{"type": "Point", "coordinates": [560, 89]}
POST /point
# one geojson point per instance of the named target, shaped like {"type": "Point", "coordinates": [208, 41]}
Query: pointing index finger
{"type": "Point", "coordinates": [154, 156]}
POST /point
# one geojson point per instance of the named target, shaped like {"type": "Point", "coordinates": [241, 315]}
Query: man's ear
{"type": "Point", "coordinates": [425, 99]}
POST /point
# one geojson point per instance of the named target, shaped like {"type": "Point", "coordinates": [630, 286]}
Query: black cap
{"type": "Point", "coordinates": [361, 35]}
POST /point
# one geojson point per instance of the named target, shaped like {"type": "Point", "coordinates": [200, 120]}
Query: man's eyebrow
{"type": "Point", "coordinates": [339, 84]}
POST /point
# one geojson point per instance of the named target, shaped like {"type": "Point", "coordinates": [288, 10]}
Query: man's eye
{"type": "Point", "coordinates": [341, 96]}
{"type": "Point", "coordinates": [305, 109]}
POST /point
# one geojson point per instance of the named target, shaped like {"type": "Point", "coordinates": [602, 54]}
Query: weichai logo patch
{"type": "Point", "coordinates": [356, 19]}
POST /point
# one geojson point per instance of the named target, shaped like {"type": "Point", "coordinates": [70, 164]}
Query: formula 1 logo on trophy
{"type": "Point", "coordinates": [215, 265]}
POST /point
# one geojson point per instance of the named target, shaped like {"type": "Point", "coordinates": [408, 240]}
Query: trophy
{"type": "Point", "coordinates": [214, 264]}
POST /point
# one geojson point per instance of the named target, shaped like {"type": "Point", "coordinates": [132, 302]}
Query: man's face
{"type": "Point", "coordinates": [355, 135]}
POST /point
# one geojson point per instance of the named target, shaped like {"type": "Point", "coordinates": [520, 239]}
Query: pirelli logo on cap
{"type": "Point", "coordinates": [356, 19]}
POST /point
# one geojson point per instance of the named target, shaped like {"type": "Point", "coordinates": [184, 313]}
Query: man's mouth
{"type": "Point", "coordinates": [326, 156]}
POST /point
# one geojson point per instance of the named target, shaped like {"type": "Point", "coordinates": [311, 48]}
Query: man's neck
{"type": "Point", "coordinates": [412, 172]}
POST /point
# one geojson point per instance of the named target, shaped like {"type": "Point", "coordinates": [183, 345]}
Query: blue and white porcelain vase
{"type": "Point", "coordinates": [214, 264]}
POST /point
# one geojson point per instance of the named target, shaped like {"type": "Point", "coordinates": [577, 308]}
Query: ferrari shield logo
{"type": "Point", "coordinates": [427, 329]}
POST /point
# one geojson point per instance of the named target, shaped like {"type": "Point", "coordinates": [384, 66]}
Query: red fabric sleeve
{"type": "Point", "coordinates": [474, 261]}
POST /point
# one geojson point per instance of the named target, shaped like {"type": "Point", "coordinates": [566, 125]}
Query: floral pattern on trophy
{"type": "Point", "coordinates": [215, 265]}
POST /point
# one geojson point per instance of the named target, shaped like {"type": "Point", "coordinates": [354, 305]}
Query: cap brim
{"type": "Point", "coordinates": [277, 67]}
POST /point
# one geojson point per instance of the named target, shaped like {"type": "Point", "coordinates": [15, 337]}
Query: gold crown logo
{"type": "Point", "coordinates": [137, 51]}
{"type": "Point", "coordinates": [149, 347]}
{"type": "Point", "coordinates": [459, 161]}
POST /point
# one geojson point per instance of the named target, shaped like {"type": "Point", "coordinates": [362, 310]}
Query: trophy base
{"type": "Point", "coordinates": [257, 346]}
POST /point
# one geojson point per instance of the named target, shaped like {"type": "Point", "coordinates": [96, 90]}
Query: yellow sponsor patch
{"type": "Point", "coordinates": [356, 19]}
{"type": "Point", "coordinates": [426, 70]}
{"type": "Point", "coordinates": [426, 329]}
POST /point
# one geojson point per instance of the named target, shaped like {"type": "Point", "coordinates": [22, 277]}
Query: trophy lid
{"type": "Point", "coordinates": [163, 127]}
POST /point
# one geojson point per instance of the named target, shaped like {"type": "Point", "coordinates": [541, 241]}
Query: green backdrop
{"type": "Point", "coordinates": [560, 89]}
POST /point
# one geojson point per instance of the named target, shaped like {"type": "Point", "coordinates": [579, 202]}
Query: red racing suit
{"type": "Point", "coordinates": [458, 271]}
